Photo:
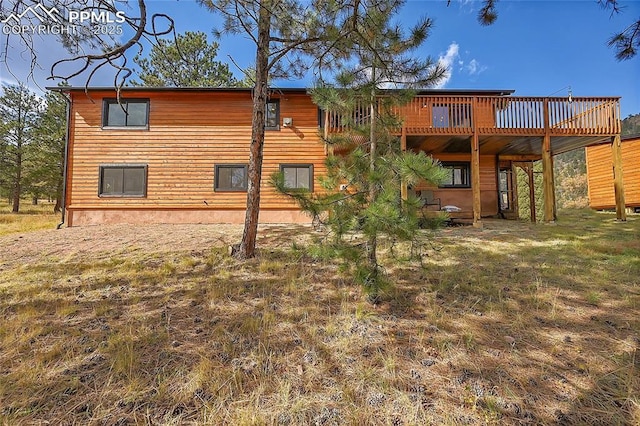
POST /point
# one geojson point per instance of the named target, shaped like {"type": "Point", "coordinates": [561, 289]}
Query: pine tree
{"type": "Point", "coordinates": [45, 177]}
{"type": "Point", "coordinates": [370, 166]}
{"type": "Point", "coordinates": [187, 61]}
{"type": "Point", "coordinates": [19, 109]}
{"type": "Point", "coordinates": [285, 34]}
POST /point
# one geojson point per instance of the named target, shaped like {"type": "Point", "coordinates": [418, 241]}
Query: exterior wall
{"type": "Point", "coordinates": [600, 174]}
{"type": "Point", "coordinates": [463, 197]}
{"type": "Point", "coordinates": [132, 215]}
{"type": "Point", "coordinates": [189, 133]}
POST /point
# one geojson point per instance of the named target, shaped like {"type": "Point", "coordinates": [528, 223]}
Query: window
{"type": "Point", "coordinates": [457, 175]}
{"type": "Point", "coordinates": [272, 115]}
{"type": "Point", "coordinates": [126, 113]}
{"type": "Point", "coordinates": [505, 188]}
{"type": "Point", "coordinates": [321, 117]}
{"type": "Point", "coordinates": [123, 180]}
{"type": "Point", "coordinates": [298, 176]}
{"type": "Point", "coordinates": [456, 115]}
{"type": "Point", "coordinates": [230, 177]}
{"type": "Point", "coordinates": [440, 116]}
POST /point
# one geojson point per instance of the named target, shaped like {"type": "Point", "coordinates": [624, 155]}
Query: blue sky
{"type": "Point", "coordinates": [536, 47]}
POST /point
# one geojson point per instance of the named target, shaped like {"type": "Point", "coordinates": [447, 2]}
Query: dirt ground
{"type": "Point", "coordinates": [517, 323]}
{"type": "Point", "coordinates": [82, 244]}
{"type": "Point", "coordinates": [105, 241]}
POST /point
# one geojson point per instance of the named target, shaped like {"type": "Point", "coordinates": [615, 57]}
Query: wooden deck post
{"type": "Point", "coordinates": [618, 183]}
{"type": "Point", "coordinates": [475, 167]}
{"type": "Point", "coordinates": [403, 148]}
{"type": "Point", "coordinates": [532, 193]}
{"type": "Point", "coordinates": [514, 192]}
{"type": "Point", "coordinates": [475, 180]}
{"type": "Point", "coordinates": [548, 185]}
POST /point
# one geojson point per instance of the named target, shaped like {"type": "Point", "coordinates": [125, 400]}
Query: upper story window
{"type": "Point", "coordinates": [321, 117]}
{"type": "Point", "coordinates": [123, 180]}
{"type": "Point", "coordinates": [272, 115]}
{"type": "Point", "coordinates": [455, 115]}
{"type": "Point", "coordinates": [230, 177]}
{"type": "Point", "coordinates": [440, 116]}
{"type": "Point", "coordinates": [298, 176]}
{"type": "Point", "coordinates": [131, 113]}
{"type": "Point", "coordinates": [458, 175]}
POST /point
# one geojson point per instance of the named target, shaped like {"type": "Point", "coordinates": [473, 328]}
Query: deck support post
{"type": "Point", "coordinates": [475, 180]}
{"type": "Point", "coordinates": [618, 183]}
{"type": "Point", "coordinates": [548, 185]}
{"type": "Point", "coordinates": [514, 192]}
{"type": "Point", "coordinates": [475, 166]}
{"type": "Point", "coordinates": [403, 148]}
{"type": "Point", "coordinates": [532, 193]}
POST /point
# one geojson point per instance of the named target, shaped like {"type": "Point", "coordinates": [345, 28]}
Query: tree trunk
{"type": "Point", "coordinates": [17, 187]}
{"type": "Point", "coordinates": [372, 245]}
{"type": "Point", "coordinates": [248, 244]}
{"type": "Point", "coordinates": [58, 207]}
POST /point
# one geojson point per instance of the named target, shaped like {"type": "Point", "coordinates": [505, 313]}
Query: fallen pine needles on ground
{"type": "Point", "coordinates": [515, 324]}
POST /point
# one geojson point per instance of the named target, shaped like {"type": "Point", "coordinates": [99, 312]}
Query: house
{"type": "Point", "coordinates": [179, 155]}
{"type": "Point", "coordinates": [599, 173]}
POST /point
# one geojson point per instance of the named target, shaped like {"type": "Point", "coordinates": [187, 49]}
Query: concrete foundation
{"type": "Point", "coordinates": [85, 217]}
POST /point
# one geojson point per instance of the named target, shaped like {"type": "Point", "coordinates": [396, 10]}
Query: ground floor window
{"type": "Point", "coordinates": [458, 175]}
{"type": "Point", "coordinates": [298, 176]}
{"type": "Point", "coordinates": [230, 177]}
{"type": "Point", "coordinates": [123, 180]}
{"type": "Point", "coordinates": [505, 188]}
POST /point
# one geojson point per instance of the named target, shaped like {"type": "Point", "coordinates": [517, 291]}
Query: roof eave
{"type": "Point", "coordinates": [485, 92]}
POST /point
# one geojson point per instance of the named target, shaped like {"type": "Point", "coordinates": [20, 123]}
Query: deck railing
{"type": "Point", "coordinates": [460, 115]}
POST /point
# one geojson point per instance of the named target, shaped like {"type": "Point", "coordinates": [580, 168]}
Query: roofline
{"type": "Point", "coordinates": [623, 138]}
{"type": "Point", "coordinates": [499, 92]}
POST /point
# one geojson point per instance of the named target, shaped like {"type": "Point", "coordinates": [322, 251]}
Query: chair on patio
{"type": "Point", "coordinates": [428, 199]}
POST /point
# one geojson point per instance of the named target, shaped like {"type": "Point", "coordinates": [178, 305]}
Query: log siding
{"type": "Point", "coordinates": [600, 174]}
{"type": "Point", "coordinates": [191, 132]}
{"type": "Point", "coordinates": [188, 135]}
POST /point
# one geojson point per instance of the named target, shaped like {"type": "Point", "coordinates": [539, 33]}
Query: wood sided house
{"type": "Point", "coordinates": [179, 155]}
{"type": "Point", "coordinates": [599, 174]}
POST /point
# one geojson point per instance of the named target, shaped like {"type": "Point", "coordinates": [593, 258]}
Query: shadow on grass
{"type": "Point", "coordinates": [536, 324]}
{"type": "Point", "coordinates": [549, 321]}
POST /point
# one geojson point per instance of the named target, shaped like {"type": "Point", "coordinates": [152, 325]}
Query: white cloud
{"type": "Point", "coordinates": [474, 67]}
{"type": "Point", "coordinates": [456, 60]}
{"type": "Point", "coordinates": [446, 61]}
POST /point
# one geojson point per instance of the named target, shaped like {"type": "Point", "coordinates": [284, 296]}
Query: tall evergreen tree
{"type": "Point", "coordinates": [371, 163]}
{"type": "Point", "coordinates": [19, 109]}
{"type": "Point", "coordinates": [285, 33]}
{"type": "Point", "coordinates": [45, 177]}
{"type": "Point", "coordinates": [187, 61]}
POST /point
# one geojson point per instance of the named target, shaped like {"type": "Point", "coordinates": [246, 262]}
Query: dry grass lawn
{"type": "Point", "coordinates": [515, 324]}
{"type": "Point", "coordinates": [30, 218]}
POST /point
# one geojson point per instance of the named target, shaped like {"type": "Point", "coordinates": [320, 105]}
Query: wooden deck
{"type": "Point", "coordinates": [504, 124]}
{"type": "Point", "coordinates": [505, 127]}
